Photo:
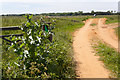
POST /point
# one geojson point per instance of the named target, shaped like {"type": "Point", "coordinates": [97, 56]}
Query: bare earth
{"type": "Point", "coordinates": [88, 65]}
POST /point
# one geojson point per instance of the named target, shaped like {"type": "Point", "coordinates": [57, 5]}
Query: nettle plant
{"type": "Point", "coordinates": [34, 50]}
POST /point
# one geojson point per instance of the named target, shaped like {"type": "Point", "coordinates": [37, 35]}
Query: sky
{"type": "Point", "coordinates": [49, 6]}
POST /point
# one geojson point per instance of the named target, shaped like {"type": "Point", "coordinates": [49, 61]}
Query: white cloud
{"type": "Point", "coordinates": [28, 1]}
{"type": "Point", "coordinates": [58, 1]}
{"type": "Point", "coordinates": [48, 7]}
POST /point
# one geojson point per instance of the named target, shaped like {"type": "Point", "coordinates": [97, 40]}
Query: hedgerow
{"type": "Point", "coordinates": [33, 55]}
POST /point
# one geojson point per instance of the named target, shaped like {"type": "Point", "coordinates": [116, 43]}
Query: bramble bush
{"type": "Point", "coordinates": [33, 55]}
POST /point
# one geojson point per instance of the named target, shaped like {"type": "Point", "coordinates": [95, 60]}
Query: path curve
{"type": "Point", "coordinates": [107, 34]}
{"type": "Point", "coordinates": [88, 65]}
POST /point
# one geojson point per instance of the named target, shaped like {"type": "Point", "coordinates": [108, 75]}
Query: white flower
{"type": "Point", "coordinates": [21, 55]}
{"type": "Point", "coordinates": [44, 34]}
{"type": "Point", "coordinates": [26, 51]}
{"type": "Point", "coordinates": [30, 37]}
{"type": "Point", "coordinates": [21, 28]}
{"type": "Point", "coordinates": [15, 50]}
{"type": "Point", "coordinates": [11, 43]}
{"type": "Point", "coordinates": [17, 64]}
{"type": "Point", "coordinates": [32, 42]}
{"type": "Point", "coordinates": [49, 32]}
{"type": "Point", "coordinates": [29, 31]}
{"type": "Point", "coordinates": [39, 39]}
{"type": "Point", "coordinates": [23, 38]}
{"type": "Point", "coordinates": [24, 67]}
{"type": "Point", "coordinates": [38, 44]}
{"type": "Point", "coordinates": [8, 67]}
{"type": "Point", "coordinates": [36, 23]}
{"type": "Point", "coordinates": [19, 37]}
{"type": "Point", "coordinates": [48, 51]}
{"type": "Point", "coordinates": [38, 54]}
{"type": "Point", "coordinates": [8, 48]}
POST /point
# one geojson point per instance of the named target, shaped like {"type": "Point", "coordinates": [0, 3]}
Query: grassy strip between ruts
{"type": "Point", "coordinates": [93, 24]}
{"type": "Point", "coordinates": [109, 56]}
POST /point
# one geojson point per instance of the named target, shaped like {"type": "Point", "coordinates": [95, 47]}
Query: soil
{"type": "Point", "coordinates": [88, 65]}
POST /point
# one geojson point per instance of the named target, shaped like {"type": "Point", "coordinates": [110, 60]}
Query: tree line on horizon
{"type": "Point", "coordinates": [70, 13]}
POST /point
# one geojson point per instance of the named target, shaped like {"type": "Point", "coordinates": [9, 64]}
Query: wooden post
{"type": "Point", "coordinates": [50, 37]}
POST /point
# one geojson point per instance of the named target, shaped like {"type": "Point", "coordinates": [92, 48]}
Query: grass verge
{"type": "Point", "coordinates": [117, 32]}
{"type": "Point", "coordinates": [109, 56]}
{"type": "Point", "coordinates": [63, 36]}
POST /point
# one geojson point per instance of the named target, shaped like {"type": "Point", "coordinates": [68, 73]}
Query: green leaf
{"type": "Point", "coordinates": [22, 45]}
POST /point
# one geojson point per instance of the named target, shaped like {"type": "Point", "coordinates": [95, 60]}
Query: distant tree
{"type": "Point", "coordinates": [76, 13]}
{"type": "Point", "coordinates": [114, 11]}
{"type": "Point", "coordinates": [108, 12]}
{"type": "Point", "coordinates": [80, 12]}
{"type": "Point", "coordinates": [111, 11]}
{"type": "Point", "coordinates": [92, 12]}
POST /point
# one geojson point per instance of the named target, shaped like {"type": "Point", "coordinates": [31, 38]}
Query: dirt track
{"type": "Point", "coordinates": [88, 65]}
